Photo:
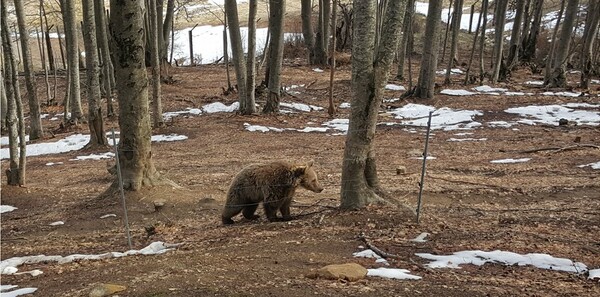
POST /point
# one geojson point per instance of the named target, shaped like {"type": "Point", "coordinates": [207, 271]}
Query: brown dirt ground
{"type": "Point", "coordinates": [547, 205]}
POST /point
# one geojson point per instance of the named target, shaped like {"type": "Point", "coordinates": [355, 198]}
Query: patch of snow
{"type": "Point", "coordinates": [312, 129]}
{"type": "Point", "coordinates": [394, 87]}
{"type": "Point", "coordinates": [466, 139]}
{"type": "Point", "coordinates": [300, 106]}
{"type": "Point", "coordinates": [110, 215]}
{"type": "Point", "coordinates": [220, 107]}
{"type": "Point", "coordinates": [108, 155]}
{"type": "Point", "coordinates": [459, 92]}
{"type": "Point", "coordinates": [550, 115]}
{"type": "Point", "coordinates": [54, 163]}
{"type": "Point", "coordinates": [594, 274]}
{"type": "Point", "coordinates": [194, 111]}
{"type": "Point", "coordinates": [9, 266]}
{"type": "Point", "coordinates": [507, 161]}
{"type": "Point", "coordinates": [428, 158]}
{"type": "Point", "coordinates": [345, 105]}
{"type": "Point", "coordinates": [595, 165]}
{"type": "Point", "coordinates": [57, 223]}
{"type": "Point", "coordinates": [444, 118]}
{"type": "Point", "coordinates": [167, 138]}
{"type": "Point", "coordinates": [254, 128]}
{"type": "Point", "coordinates": [339, 125]}
{"type": "Point", "coordinates": [583, 105]}
{"type": "Point", "coordinates": [499, 124]}
{"type": "Point", "coordinates": [535, 82]}
{"type": "Point", "coordinates": [563, 94]}
{"type": "Point", "coordinates": [479, 258]}
{"type": "Point", "coordinates": [595, 81]}
{"type": "Point", "coordinates": [6, 208]}
{"type": "Point", "coordinates": [464, 133]}
{"type": "Point", "coordinates": [390, 100]}
{"type": "Point", "coordinates": [517, 94]}
{"type": "Point", "coordinates": [394, 273]}
{"type": "Point", "coordinates": [318, 70]}
{"type": "Point", "coordinates": [368, 253]}
{"type": "Point", "coordinates": [18, 292]}
{"type": "Point", "coordinates": [34, 272]}
{"type": "Point", "coordinates": [452, 71]}
{"type": "Point", "coordinates": [487, 89]}
{"type": "Point", "coordinates": [4, 140]}
{"type": "Point", "coordinates": [421, 237]}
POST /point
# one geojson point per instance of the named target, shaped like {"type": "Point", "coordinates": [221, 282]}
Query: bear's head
{"type": "Point", "coordinates": [308, 177]}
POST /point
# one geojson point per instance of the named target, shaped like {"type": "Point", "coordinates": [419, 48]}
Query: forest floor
{"type": "Point", "coordinates": [546, 205]}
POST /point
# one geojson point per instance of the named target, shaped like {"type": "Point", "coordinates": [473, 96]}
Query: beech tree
{"type": "Point", "coordinates": [589, 36]}
{"type": "Point", "coordinates": [95, 120]}
{"type": "Point", "coordinates": [557, 77]}
{"type": "Point", "coordinates": [360, 184]}
{"type": "Point", "coordinates": [316, 43]}
{"type": "Point", "coordinates": [74, 89]}
{"type": "Point", "coordinates": [456, 17]}
{"type": "Point", "coordinates": [531, 34]}
{"type": "Point", "coordinates": [250, 105]}
{"type": "Point", "coordinates": [155, 64]}
{"type": "Point", "coordinates": [426, 82]}
{"type": "Point", "coordinates": [135, 152]}
{"type": "Point", "coordinates": [515, 36]}
{"type": "Point", "coordinates": [14, 118]}
{"type": "Point", "coordinates": [276, 11]}
{"type": "Point", "coordinates": [106, 62]}
{"type": "Point", "coordinates": [499, 69]}
{"type": "Point", "coordinates": [406, 37]}
{"type": "Point", "coordinates": [237, 52]}
{"type": "Point", "coordinates": [35, 120]}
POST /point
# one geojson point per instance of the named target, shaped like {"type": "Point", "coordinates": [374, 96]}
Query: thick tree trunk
{"type": "Point", "coordinates": [277, 10]}
{"type": "Point", "coordinates": [530, 42]}
{"type": "Point", "coordinates": [426, 83]}
{"type": "Point", "coordinates": [135, 153]}
{"type": "Point", "coordinates": [456, 17]}
{"type": "Point", "coordinates": [3, 100]}
{"type": "Point", "coordinates": [95, 121]}
{"type": "Point", "coordinates": [484, 9]}
{"type": "Point", "coordinates": [550, 57]}
{"type": "Point", "coordinates": [360, 185]}
{"type": "Point", "coordinates": [406, 28]}
{"type": "Point", "coordinates": [589, 33]}
{"type": "Point", "coordinates": [515, 36]}
{"type": "Point", "coordinates": [154, 34]}
{"type": "Point", "coordinates": [14, 118]}
{"type": "Point", "coordinates": [36, 131]}
{"type": "Point", "coordinates": [166, 28]}
{"type": "Point", "coordinates": [106, 64]}
{"type": "Point", "coordinates": [249, 106]}
{"type": "Point", "coordinates": [499, 70]}
{"type": "Point", "coordinates": [236, 49]}
{"type": "Point", "coordinates": [322, 32]}
{"type": "Point", "coordinates": [557, 78]}
{"type": "Point", "coordinates": [72, 61]}
{"type": "Point", "coordinates": [307, 29]}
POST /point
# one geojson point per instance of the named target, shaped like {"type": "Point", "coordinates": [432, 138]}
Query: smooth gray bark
{"type": "Point", "coordinates": [426, 82]}
{"type": "Point", "coordinates": [239, 61]}
{"type": "Point", "coordinates": [277, 10]}
{"type": "Point", "coordinates": [558, 78]}
{"type": "Point", "coordinates": [106, 62]}
{"type": "Point", "coordinates": [154, 34]}
{"type": "Point", "coordinates": [249, 106]}
{"type": "Point", "coordinates": [589, 33]}
{"type": "Point", "coordinates": [68, 10]}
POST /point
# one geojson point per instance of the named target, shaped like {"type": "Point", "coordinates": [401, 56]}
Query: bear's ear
{"type": "Point", "coordinates": [309, 164]}
{"type": "Point", "coordinates": [298, 170]}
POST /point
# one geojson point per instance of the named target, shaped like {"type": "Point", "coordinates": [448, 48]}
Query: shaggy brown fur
{"type": "Point", "coordinates": [274, 184]}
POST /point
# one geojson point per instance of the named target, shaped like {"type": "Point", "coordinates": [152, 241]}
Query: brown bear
{"type": "Point", "coordinates": [274, 184]}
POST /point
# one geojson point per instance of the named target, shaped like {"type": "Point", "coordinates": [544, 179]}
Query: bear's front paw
{"type": "Point", "coordinates": [227, 221]}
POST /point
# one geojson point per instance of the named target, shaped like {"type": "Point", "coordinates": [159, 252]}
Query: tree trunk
{"type": "Point", "coordinates": [277, 10]}
{"type": "Point", "coordinates": [3, 100]}
{"type": "Point", "coordinates": [72, 61]}
{"type": "Point", "coordinates": [550, 57]}
{"type": "Point", "coordinates": [135, 154]}
{"type": "Point", "coordinates": [166, 28]}
{"type": "Point", "coordinates": [154, 34]}
{"type": "Point", "coordinates": [473, 47]}
{"type": "Point", "coordinates": [426, 82]}
{"type": "Point", "coordinates": [236, 49]}
{"type": "Point", "coordinates": [102, 39]}
{"type": "Point", "coordinates": [360, 184]}
{"type": "Point", "coordinates": [249, 105]}
{"type": "Point", "coordinates": [14, 119]}
{"type": "Point", "coordinates": [529, 44]}
{"type": "Point", "coordinates": [557, 78]}
{"type": "Point", "coordinates": [95, 121]}
{"type": "Point", "coordinates": [499, 70]}
{"type": "Point", "coordinates": [484, 9]}
{"type": "Point", "coordinates": [589, 33]}
{"type": "Point", "coordinates": [307, 29]}
{"type": "Point", "coordinates": [406, 27]}
{"type": "Point", "coordinates": [456, 17]}
{"type": "Point", "coordinates": [35, 121]}
{"type": "Point", "coordinates": [331, 109]}
{"type": "Point", "coordinates": [322, 33]}
{"type": "Point", "coordinates": [446, 31]}
{"type": "Point", "coordinates": [515, 37]}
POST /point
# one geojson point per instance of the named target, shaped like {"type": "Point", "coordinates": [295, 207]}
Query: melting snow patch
{"type": "Point", "coordinates": [444, 118]}
{"type": "Point", "coordinates": [479, 258]}
{"type": "Point", "coordinates": [499, 124]}
{"type": "Point", "coordinates": [535, 83]}
{"type": "Point", "coordinates": [338, 124]}
{"type": "Point", "coordinates": [254, 128]}
{"type": "Point", "coordinates": [110, 215]}
{"type": "Point", "coordinates": [4, 291]}
{"type": "Point", "coordinates": [505, 161]}
{"type": "Point", "coordinates": [421, 237]}
{"type": "Point", "coordinates": [53, 163]}
{"type": "Point", "coordinates": [312, 129]}
{"type": "Point", "coordinates": [564, 94]}
{"type": "Point", "coordinates": [487, 89]}
{"type": "Point", "coordinates": [57, 223]}
{"type": "Point", "coordinates": [390, 100]}
{"type": "Point", "coordinates": [466, 139]}
{"type": "Point", "coordinates": [220, 107]}
{"type": "Point", "coordinates": [6, 208]}
{"type": "Point", "coordinates": [594, 274]}
{"type": "Point", "coordinates": [593, 165]}
{"type": "Point", "coordinates": [301, 106]}
{"type": "Point", "coordinates": [394, 87]}
{"type": "Point", "coordinates": [452, 71]}
{"type": "Point", "coordinates": [318, 70]}
{"type": "Point", "coordinates": [4, 140]}
{"type": "Point", "coordinates": [368, 253]}
{"type": "Point", "coordinates": [108, 155]}
{"type": "Point", "coordinates": [457, 92]}
{"type": "Point", "coordinates": [168, 115]}
{"type": "Point", "coordinates": [170, 137]}
{"type": "Point", "coordinates": [394, 273]}
{"type": "Point", "coordinates": [9, 266]}
{"type": "Point", "coordinates": [345, 105]}
{"type": "Point", "coordinates": [550, 114]}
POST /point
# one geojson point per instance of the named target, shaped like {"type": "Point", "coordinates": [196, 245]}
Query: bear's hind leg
{"type": "Point", "coordinates": [271, 212]}
{"type": "Point", "coordinates": [285, 210]}
{"type": "Point", "coordinates": [249, 210]}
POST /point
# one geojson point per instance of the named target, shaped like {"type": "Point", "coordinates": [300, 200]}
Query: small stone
{"type": "Point", "coordinates": [563, 122]}
{"type": "Point", "coordinates": [577, 139]}
{"type": "Point", "coordinates": [350, 272]}
{"type": "Point", "coordinates": [106, 290]}
{"type": "Point", "coordinates": [400, 170]}
{"type": "Point", "coordinates": [158, 204]}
